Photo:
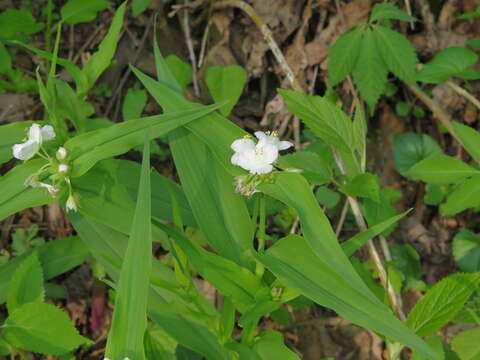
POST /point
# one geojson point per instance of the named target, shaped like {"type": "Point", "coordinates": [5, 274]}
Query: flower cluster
{"type": "Point", "coordinates": [258, 157]}
{"type": "Point", "coordinates": [33, 146]}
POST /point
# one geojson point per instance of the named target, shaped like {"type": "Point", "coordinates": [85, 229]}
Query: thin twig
{"type": "Point", "coordinates": [191, 51]}
{"type": "Point", "coordinates": [203, 47]}
{"type": "Point", "coordinates": [461, 91]}
{"type": "Point", "coordinates": [409, 12]}
{"type": "Point", "coordinates": [341, 220]}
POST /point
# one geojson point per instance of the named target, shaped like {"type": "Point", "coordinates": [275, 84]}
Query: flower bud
{"type": "Point", "coordinates": [71, 204]}
{"type": "Point", "coordinates": [61, 153]}
{"type": "Point", "coordinates": [63, 168]}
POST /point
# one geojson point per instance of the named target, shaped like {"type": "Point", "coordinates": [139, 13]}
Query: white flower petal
{"type": "Point", "coordinates": [284, 145]}
{"type": "Point", "coordinates": [260, 135]}
{"type": "Point", "coordinates": [63, 168]}
{"type": "Point", "coordinates": [241, 145]}
{"type": "Point", "coordinates": [48, 133]}
{"type": "Point", "coordinates": [35, 133]}
{"type": "Point", "coordinates": [265, 169]}
{"type": "Point", "coordinates": [26, 150]}
{"type": "Point", "coordinates": [235, 159]}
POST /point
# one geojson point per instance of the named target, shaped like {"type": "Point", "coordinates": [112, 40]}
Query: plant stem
{"type": "Point", "coordinates": [461, 91]}
{"type": "Point", "coordinates": [261, 225]}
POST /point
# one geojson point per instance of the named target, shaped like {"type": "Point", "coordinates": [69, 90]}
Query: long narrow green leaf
{"type": "Point", "coordinates": [292, 260]}
{"type": "Point", "coordinates": [89, 148]}
{"type": "Point", "coordinates": [130, 315]}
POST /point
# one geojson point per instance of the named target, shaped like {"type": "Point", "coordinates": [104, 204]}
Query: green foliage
{"type": "Point", "coordinates": [474, 43]}
{"type": "Point", "coordinates": [327, 197]}
{"type": "Point", "coordinates": [465, 344]}
{"type": "Point", "coordinates": [134, 103]}
{"type": "Point", "coordinates": [407, 261]}
{"type": "Point", "coordinates": [376, 212]}
{"type": "Point", "coordinates": [226, 84]}
{"type": "Point", "coordinates": [14, 22]}
{"type": "Point", "coordinates": [26, 285]}
{"type": "Point", "coordinates": [441, 169]}
{"type": "Point", "coordinates": [315, 167]}
{"type": "Point", "coordinates": [364, 185]}
{"type": "Point", "coordinates": [469, 137]}
{"type": "Point", "coordinates": [440, 304]}
{"type": "Point", "coordinates": [434, 194]}
{"type": "Point", "coordinates": [385, 11]}
{"type": "Point", "coordinates": [41, 328]}
{"type": "Point", "coordinates": [181, 70]}
{"type": "Point", "coordinates": [465, 195]}
{"type": "Point", "coordinates": [78, 11]}
{"type": "Point", "coordinates": [139, 6]}
{"type": "Point", "coordinates": [132, 291]}
{"type": "Point", "coordinates": [448, 63]}
{"type": "Point", "coordinates": [466, 251]}
{"type": "Point", "coordinates": [269, 344]}
{"type": "Point", "coordinates": [436, 344]}
{"type": "Point", "coordinates": [411, 148]}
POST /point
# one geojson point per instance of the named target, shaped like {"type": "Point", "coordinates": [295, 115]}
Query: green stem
{"type": "Point", "coordinates": [261, 225]}
{"type": "Point", "coordinates": [249, 332]}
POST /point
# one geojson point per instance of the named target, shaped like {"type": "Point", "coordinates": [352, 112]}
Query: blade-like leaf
{"type": "Point", "coordinates": [129, 320]}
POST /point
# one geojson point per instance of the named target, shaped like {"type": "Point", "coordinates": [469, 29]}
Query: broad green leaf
{"type": "Point", "coordinates": [14, 22]}
{"type": "Point", "coordinates": [434, 194]}
{"type": "Point", "coordinates": [101, 59]}
{"type": "Point", "coordinates": [343, 55]}
{"type": "Point", "coordinates": [181, 70]}
{"type": "Point", "coordinates": [410, 148]}
{"type": "Point", "coordinates": [291, 259]}
{"type": "Point", "coordinates": [133, 104]}
{"type": "Point", "coordinates": [370, 73]}
{"type": "Point", "coordinates": [89, 148]}
{"type": "Point", "coordinates": [364, 185]}
{"type": "Point", "coordinates": [15, 195]}
{"type": "Point", "coordinates": [26, 285]}
{"type": "Point", "coordinates": [139, 6]}
{"type": "Point", "coordinates": [132, 290]}
{"type": "Point", "coordinates": [78, 11]}
{"type": "Point", "coordinates": [377, 212]}
{"type": "Point", "coordinates": [441, 169]}
{"type": "Point", "coordinates": [407, 260]}
{"type": "Point", "coordinates": [56, 258]}
{"type": "Point", "coordinates": [470, 15]}
{"type": "Point", "coordinates": [384, 11]}
{"type": "Point", "coordinates": [474, 43]}
{"type": "Point", "coordinates": [324, 118]}
{"type": "Point", "coordinates": [466, 251]}
{"type": "Point", "coordinates": [465, 344]}
{"type": "Point", "coordinates": [465, 195]}
{"type": "Point", "coordinates": [440, 304]}
{"type": "Point", "coordinates": [447, 63]}
{"type": "Point", "coordinates": [41, 328]}
{"type": "Point", "coordinates": [226, 83]}
{"type": "Point", "coordinates": [357, 241]}
{"type": "Point", "coordinates": [470, 139]}
{"type": "Point", "coordinates": [13, 133]}
{"type": "Point", "coordinates": [270, 345]}
{"type": "Point", "coordinates": [327, 197]}
{"type": "Point", "coordinates": [397, 52]}
{"type": "Point", "coordinates": [315, 168]}
{"type": "Point", "coordinates": [5, 59]}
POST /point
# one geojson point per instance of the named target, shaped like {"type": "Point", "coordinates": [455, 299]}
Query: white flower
{"type": "Point", "coordinates": [63, 168]}
{"type": "Point", "coordinates": [272, 139]}
{"type": "Point", "coordinates": [61, 153]}
{"type": "Point", "coordinates": [33, 182]}
{"type": "Point", "coordinates": [258, 158]}
{"type": "Point", "coordinates": [71, 204]}
{"type": "Point", "coordinates": [36, 135]}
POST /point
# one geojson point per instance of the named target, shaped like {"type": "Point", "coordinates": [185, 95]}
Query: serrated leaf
{"type": "Point", "coordinates": [129, 320]}
{"type": "Point", "coordinates": [440, 304]}
{"type": "Point", "coordinates": [133, 104]}
{"type": "Point", "coordinates": [78, 11]}
{"type": "Point", "coordinates": [447, 63]}
{"type": "Point", "coordinates": [465, 344]}
{"type": "Point", "coordinates": [411, 148]}
{"type": "Point", "coordinates": [181, 70]}
{"type": "Point", "coordinates": [397, 53]}
{"type": "Point", "coordinates": [384, 11]}
{"type": "Point", "coordinates": [343, 55]}
{"type": "Point", "coordinates": [370, 73]}
{"type": "Point", "coordinates": [26, 285]}
{"type": "Point", "coordinates": [466, 251]}
{"type": "Point", "coordinates": [41, 328]}
{"type": "Point", "coordinates": [324, 118]}
{"type": "Point", "coordinates": [465, 195]}
{"type": "Point", "coordinates": [363, 185]}
{"type": "Point", "coordinates": [441, 169]}
{"type": "Point", "coordinates": [470, 138]}
{"type": "Point", "coordinates": [226, 83]}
